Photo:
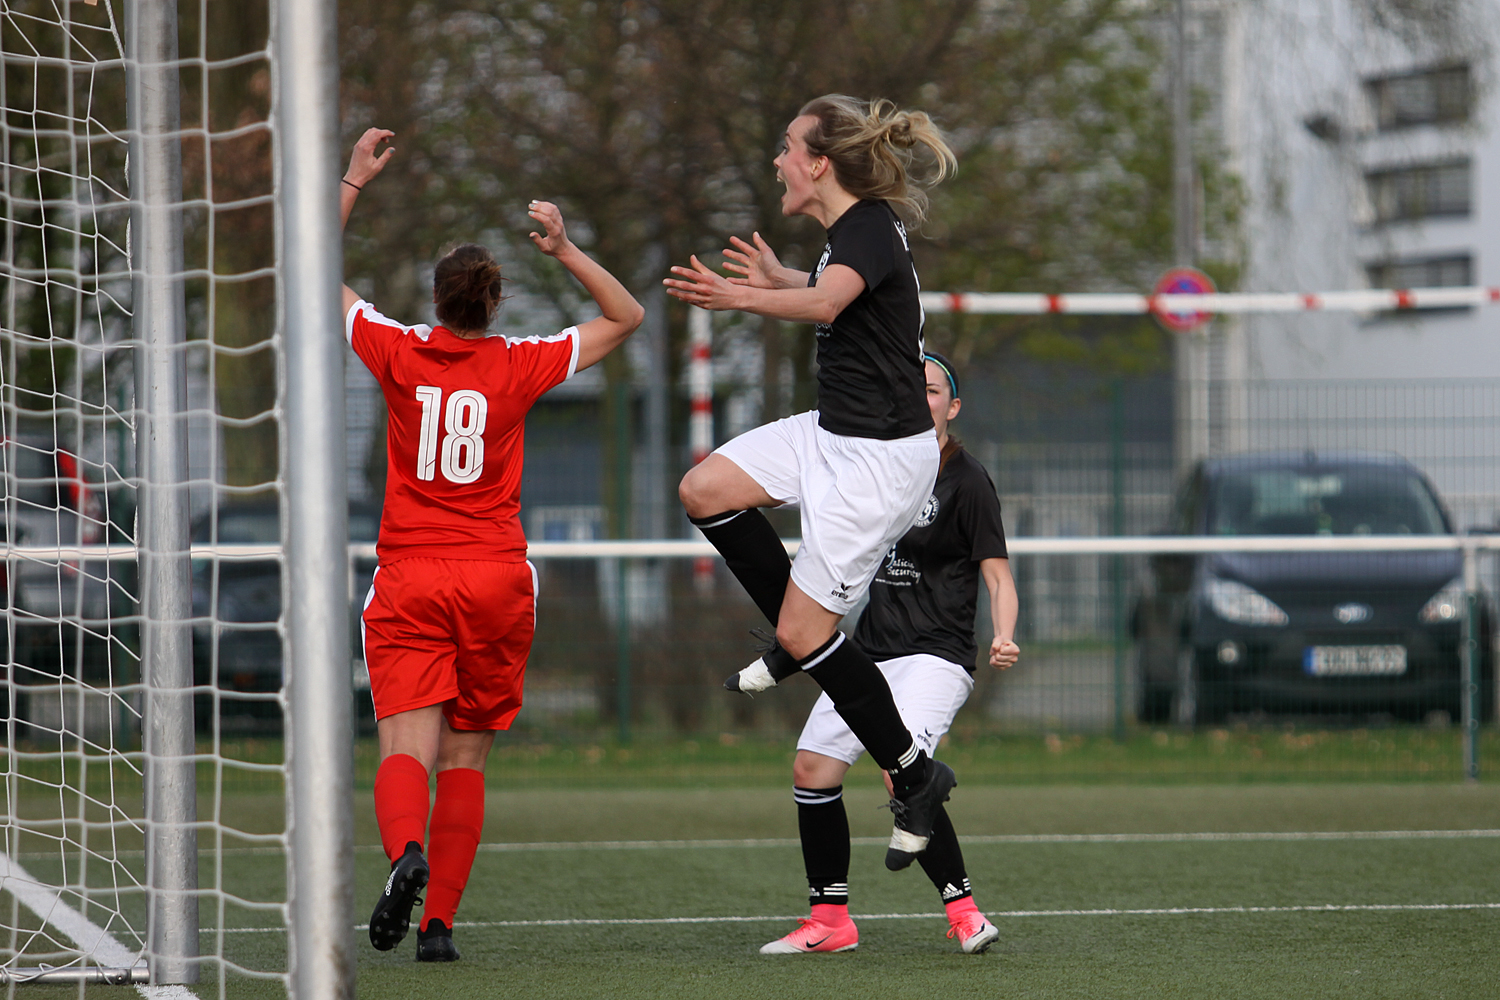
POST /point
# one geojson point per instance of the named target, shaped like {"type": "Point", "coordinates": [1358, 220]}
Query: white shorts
{"type": "Point", "coordinates": [857, 496]}
{"type": "Point", "coordinates": [929, 691]}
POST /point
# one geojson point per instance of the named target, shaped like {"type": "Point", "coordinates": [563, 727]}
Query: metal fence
{"type": "Point", "coordinates": [655, 673]}
{"type": "Point", "coordinates": [1084, 460]}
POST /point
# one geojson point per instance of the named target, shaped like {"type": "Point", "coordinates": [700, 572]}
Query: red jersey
{"type": "Point", "coordinates": [456, 431]}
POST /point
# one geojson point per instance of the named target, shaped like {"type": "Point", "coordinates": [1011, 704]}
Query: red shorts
{"type": "Point", "coordinates": [450, 632]}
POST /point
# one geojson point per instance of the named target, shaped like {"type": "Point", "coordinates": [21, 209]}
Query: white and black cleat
{"type": "Point", "coordinates": [773, 666]}
{"type": "Point", "coordinates": [903, 849]}
{"type": "Point", "coordinates": [752, 680]}
{"type": "Point", "coordinates": [915, 812]}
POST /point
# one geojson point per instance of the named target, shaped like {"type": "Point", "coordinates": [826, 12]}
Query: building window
{"type": "Point", "coordinates": [1452, 271]}
{"type": "Point", "coordinates": [1439, 96]}
{"type": "Point", "coordinates": [1421, 192]}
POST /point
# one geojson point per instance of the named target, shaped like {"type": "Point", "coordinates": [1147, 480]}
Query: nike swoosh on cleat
{"type": "Point", "coordinates": [813, 944]}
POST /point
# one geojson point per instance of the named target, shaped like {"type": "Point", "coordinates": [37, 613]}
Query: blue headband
{"type": "Point", "coordinates": [952, 383]}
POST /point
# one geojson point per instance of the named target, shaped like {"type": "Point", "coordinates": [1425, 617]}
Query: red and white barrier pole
{"type": "Point", "coordinates": [701, 423]}
{"type": "Point", "coordinates": [1109, 303]}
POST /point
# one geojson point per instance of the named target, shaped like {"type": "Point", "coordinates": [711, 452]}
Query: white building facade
{"type": "Point", "coordinates": [1367, 151]}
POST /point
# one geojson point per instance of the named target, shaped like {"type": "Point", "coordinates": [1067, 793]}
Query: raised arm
{"type": "Point", "coordinates": [757, 265]}
{"type": "Point", "coordinates": [1004, 608]}
{"type": "Point", "coordinates": [364, 166]}
{"type": "Point", "coordinates": [773, 295]}
{"type": "Point", "coordinates": [622, 313]}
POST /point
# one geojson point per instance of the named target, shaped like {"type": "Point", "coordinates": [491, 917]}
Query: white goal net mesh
{"type": "Point", "coordinates": [75, 871]}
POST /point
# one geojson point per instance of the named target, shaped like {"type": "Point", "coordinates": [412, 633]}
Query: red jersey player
{"type": "Point", "coordinates": [449, 619]}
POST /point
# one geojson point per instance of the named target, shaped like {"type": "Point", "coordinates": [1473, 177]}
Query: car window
{"type": "Point", "coordinates": [263, 527]}
{"type": "Point", "coordinates": [364, 526]}
{"type": "Point", "coordinates": [1325, 501]}
{"type": "Point", "coordinates": [34, 474]}
{"type": "Point", "coordinates": [1185, 508]}
{"type": "Point", "coordinates": [243, 527]}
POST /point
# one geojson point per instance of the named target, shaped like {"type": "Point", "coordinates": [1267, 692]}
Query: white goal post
{"type": "Point", "coordinates": [100, 861]}
{"type": "Point", "coordinates": [320, 863]}
{"type": "Point", "coordinates": [153, 108]}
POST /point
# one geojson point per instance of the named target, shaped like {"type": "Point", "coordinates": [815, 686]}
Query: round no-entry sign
{"type": "Point", "coordinates": [1182, 281]}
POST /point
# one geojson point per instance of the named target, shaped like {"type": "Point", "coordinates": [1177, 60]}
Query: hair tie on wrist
{"type": "Point", "coordinates": [351, 184]}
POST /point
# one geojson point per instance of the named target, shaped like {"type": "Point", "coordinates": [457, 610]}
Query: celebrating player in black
{"type": "Point", "coordinates": [919, 625]}
{"type": "Point", "coordinates": [862, 465]}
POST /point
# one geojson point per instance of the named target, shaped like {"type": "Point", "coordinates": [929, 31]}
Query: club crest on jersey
{"type": "Point", "coordinates": [929, 512]}
{"type": "Point", "coordinates": [822, 329]}
{"type": "Point", "coordinates": [901, 231]}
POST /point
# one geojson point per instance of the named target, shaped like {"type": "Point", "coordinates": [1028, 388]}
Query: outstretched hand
{"type": "Point", "coordinates": [699, 286]}
{"type": "Point", "coordinates": [756, 264]}
{"type": "Point", "coordinates": [1003, 653]}
{"type": "Point", "coordinates": [364, 164]}
{"type": "Point", "coordinates": [553, 239]}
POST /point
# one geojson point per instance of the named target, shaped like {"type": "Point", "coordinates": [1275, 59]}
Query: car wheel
{"type": "Point", "coordinates": [1185, 690]}
{"type": "Point", "coordinates": [1487, 687]}
{"type": "Point", "coordinates": [1193, 702]}
{"type": "Point", "coordinates": [1211, 710]}
{"type": "Point", "coordinates": [1153, 704]}
{"type": "Point", "coordinates": [1154, 668]}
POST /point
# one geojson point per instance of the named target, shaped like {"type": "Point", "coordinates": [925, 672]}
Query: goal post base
{"type": "Point", "coordinates": [90, 975]}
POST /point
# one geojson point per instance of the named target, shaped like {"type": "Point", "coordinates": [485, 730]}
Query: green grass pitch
{"type": "Point", "coordinates": [1395, 952]}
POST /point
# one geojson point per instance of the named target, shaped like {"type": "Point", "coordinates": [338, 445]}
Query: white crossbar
{"type": "Point", "coordinates": [1129, 545]}
{"type": "Point", "coordinates": [686, 548]}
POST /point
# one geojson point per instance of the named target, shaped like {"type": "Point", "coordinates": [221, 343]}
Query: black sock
{"type": "Point", "coordinates": [754, 554]}
{"type": "Point", "coordinates": [943, 861]}
{"type": "Point", "coordinates": [824, 827]}
{"type": "Point", "coordinates": [863, 698]}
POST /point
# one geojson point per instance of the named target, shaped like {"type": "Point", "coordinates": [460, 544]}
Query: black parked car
{"type": "Point", "coordinates": [1346, 633]}
{"type": "Point", "coordinates": [236, 604]}
{"type": "Point", "coordinates": [71, 617]}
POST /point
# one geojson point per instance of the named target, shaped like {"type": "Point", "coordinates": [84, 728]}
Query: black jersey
{"type": "Point", "coordinates": [871, 380]}
{"type": "Point", "coordinates": [923, 598]}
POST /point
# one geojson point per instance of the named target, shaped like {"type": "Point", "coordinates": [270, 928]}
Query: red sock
{"type": "Point", "coordinates": [831, 914]}
{"type": "Point", "coordinates": [401, 800]}
{"type": "Point", "coordinates": [959, 907]}
{"type": "Point", "coordinates": [457, 819]}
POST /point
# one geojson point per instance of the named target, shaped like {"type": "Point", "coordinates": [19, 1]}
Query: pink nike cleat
{"type": "Point", "coordinates": [813, 936]}
{"type": "Point", "coordinates": [975, 934]}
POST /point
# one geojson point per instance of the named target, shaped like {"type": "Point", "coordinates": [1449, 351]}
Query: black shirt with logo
{"type": "Point", "coordinates": [924, 597]}
{"type": "Point", "coordinates": [871, 380]}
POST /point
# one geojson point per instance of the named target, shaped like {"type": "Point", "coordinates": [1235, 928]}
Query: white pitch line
{"type": "Point", "coordinates": [92, 940]}
{"type": "Point", "coordinates": [1009, 838]}
{"type": "Point", "coordinates": [1158, 912]}
{"type": "Point", "coordinates": [1002, 838]}
{"type": "Point", "coordinates": [1188, 838]}
{"type": "Point", "coordinates": [1170, 911]}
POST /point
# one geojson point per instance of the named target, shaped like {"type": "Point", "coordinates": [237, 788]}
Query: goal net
{"type": "Point", "coordinates": [144, 687]}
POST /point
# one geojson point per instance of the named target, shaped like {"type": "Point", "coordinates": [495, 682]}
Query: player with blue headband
{"type": "Point", "coordinates": [933, 357]}
{"type": "Point", "coordinates": [919, 629]}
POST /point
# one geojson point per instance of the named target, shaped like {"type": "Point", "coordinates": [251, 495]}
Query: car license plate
{"type": "Point", "coordinates": [1354, 661]}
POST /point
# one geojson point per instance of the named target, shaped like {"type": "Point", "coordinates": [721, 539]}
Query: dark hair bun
{"type": "Point", "coordinates": [466, 288]}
